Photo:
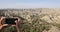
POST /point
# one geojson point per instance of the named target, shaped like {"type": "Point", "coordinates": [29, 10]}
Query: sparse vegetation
{"type": "Point", "coordinates": [34, 21]}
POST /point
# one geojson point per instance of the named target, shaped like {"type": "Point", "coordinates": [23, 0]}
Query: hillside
{"type": "Point", "coordinates": [36, 20]}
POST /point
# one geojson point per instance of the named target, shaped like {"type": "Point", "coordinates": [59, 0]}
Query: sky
{"type": "Point", "coordinates": [29, 3]}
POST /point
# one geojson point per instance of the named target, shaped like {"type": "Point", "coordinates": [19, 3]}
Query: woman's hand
{"type": "Point", "coordinates": [2, 23]}
{"type": "Point", "coordinates": [18, 25]}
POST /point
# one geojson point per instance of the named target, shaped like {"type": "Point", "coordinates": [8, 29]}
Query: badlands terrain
{"type": "Point", "coordinates": [35, 20]}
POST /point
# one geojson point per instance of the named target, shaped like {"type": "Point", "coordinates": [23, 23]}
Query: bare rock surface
{"type": "Point", "coordinates": [53, 29]}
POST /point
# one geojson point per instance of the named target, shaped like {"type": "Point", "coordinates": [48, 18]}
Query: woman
{"type": "Point", "coordinates": [2, 25]}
